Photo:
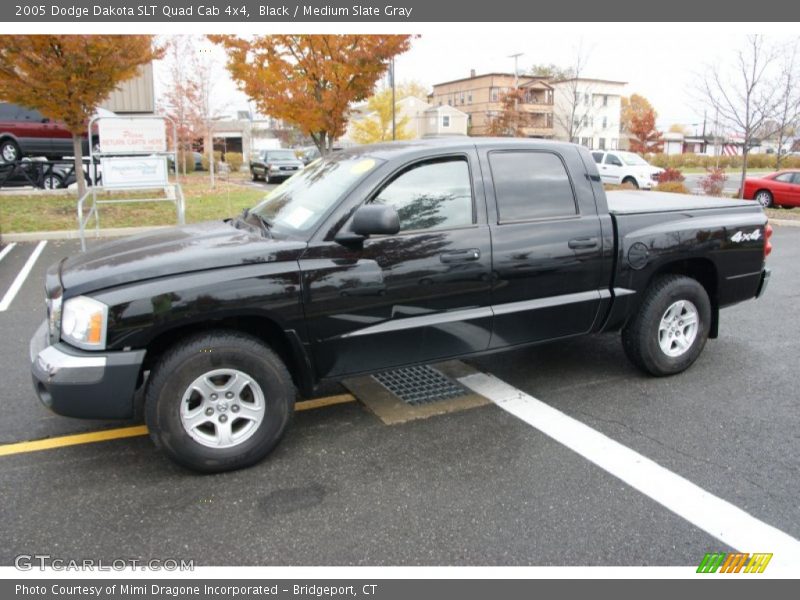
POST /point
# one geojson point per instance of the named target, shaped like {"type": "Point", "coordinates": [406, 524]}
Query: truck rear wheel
{"type": "Point", "coordinates": [218, 401]}
{"type": "Point", "coordinates": [671, 326]}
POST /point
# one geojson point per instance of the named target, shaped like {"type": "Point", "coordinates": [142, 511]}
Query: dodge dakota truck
{"type": "Point", "coordinates": [379, 257]}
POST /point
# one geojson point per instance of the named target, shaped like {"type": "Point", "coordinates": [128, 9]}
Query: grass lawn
{"type": "Point", "coordinates": [790, 214]}
{"type": "Point", "coordinates": [48, 212]}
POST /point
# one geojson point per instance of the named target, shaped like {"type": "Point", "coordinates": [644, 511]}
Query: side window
{"type": "Point", "coordinates": [784, 177]}
{"type": "Point", "coordinates": [431, 195]}
{"type": "Point", "coordinates": [7, 111]}
{"type": "Point", "coordinates": [598, 157]}
{"type": "Point", "coordinates": [796, 180]}
{"type": "Point", "coordinates": [613, 160]}
{"type": "Point", "coordinates": [531, 185]}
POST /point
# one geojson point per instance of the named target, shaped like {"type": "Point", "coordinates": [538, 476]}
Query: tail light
{"type": "Point", "coordinates": [767, 236]}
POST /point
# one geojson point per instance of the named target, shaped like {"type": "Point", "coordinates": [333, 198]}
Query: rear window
{"type": "Point", "coordinates": [598, 157]}
{"type": "Point", "coordinates": [531, 185]}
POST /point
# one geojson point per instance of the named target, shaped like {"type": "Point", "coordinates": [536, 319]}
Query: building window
{"type": "Point", "coordinates": [462, 98]}
{"type": "Point", "coordinates": [494, 94]}
{"type": "Point", "coordinates": [601, 143]}
{"type": "Point", "coordinates": [605, 100]}
{"type": "Point", "coordinates": [586, 141]}
{"type": "Point", "coordinates": [549, 120]}
{"type": "Point", "coordinates": [445, 120]}
{"type": "Point", "coordinates": [576, 122]}
{"type": "Point", "coordinates": [585, 120]}
{"type": "Point", "coordinates": [605, 121]}
{"type": "Point", "coordinates": [577, 97]}
{"type": "Point", "coordinates": [586, 99]}
{"type": "Point", "coordinates": [469, 98]}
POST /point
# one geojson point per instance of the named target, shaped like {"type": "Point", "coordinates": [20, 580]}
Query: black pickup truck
{"type": "Point", "coordinates": [379, 257]}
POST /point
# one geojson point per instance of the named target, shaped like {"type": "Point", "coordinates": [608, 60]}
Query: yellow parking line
{"type": "Point", "coordinates": [138, 430]}
{"type": "Point", "coordinates": [326, 401]}
{"type": "Point", "coordinates": [72, 440]}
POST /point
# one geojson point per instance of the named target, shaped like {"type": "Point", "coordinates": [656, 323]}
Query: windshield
{"type": "Point", "coordinates": [280, 155]}
{"type": "Point", "coordinates": [300, 203]}
{"type": "Point", "coordinates": [629, 158]}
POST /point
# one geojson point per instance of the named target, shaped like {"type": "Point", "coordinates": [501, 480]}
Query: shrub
{"type": "Point", "coordinates": [185, 160]}
{"type": "Point", "coordinates": [217, 159]}
{"type": "Point", "coordinates": [669, 175]}
{"type": "Point", "coordinates": [713, 182]}
{"type": "Point", "coordinates": [623, 186]}
{"type": "Point", "coordinates": [658, 160]}
{"type": "Point", "coordinates": [674, 187]}
{"type": "Point", "coordinates": [234, 161]}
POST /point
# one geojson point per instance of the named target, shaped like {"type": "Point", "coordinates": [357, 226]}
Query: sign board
{"type": "Point", "coordinates": [121, 135]}
{"type": "Point", "coordinates": [134, 172]}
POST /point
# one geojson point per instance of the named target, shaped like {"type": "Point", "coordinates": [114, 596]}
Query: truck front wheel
{"type": "Point", "coordinates": [218, 401]}
{"type": "Point", "coordinates": [671, 326]}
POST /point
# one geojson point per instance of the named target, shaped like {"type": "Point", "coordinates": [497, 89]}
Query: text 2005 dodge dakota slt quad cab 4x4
{"type": "Point", "coordinates": [375, 258]}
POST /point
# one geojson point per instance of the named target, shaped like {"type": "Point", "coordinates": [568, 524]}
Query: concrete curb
{"type": "Point", "coordinates": [74, 234]}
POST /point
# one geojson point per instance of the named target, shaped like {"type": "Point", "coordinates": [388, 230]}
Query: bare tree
{"type": "Point", "coordinates": [207, 71]}
{"type": "Point", "coordinates": [789, 106]}
{"type": "Point", "coordinates": [574, 100]}
{"type": "Point", "coordinates": [747, 97]}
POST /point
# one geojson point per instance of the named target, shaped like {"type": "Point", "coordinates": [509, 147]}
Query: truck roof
{"type": "Point", "coordinates": [387, 150]}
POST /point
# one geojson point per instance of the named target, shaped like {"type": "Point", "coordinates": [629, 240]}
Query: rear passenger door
{"type": "Point", "coordinates": [547, 247]}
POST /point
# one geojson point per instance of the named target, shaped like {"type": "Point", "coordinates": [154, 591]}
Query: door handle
{"type": "Point", "coordinates": [582, 243]}
{"type": "Point", "coordinates": [460, 255]}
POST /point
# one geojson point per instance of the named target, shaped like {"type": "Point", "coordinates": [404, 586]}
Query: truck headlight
{"type": "Point", "coordinates": [83, 323]}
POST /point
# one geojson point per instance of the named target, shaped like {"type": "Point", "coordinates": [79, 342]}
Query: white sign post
{"type": "Point", "coordinates": [133, 155]}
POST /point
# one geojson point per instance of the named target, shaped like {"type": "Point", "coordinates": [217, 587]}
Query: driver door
{"type": "Point", "coordinates": [611, 169]}
{"type": "Point", "coordinates": [416, 296]}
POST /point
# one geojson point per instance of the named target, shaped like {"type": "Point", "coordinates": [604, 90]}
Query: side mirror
{"type": "Point", "coordinates": [375, 219]}
{"type": "Point", "coordinates": [370, 219]}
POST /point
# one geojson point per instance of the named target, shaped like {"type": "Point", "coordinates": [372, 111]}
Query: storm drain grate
{"type": "Point", "coordinates": [420, 385]}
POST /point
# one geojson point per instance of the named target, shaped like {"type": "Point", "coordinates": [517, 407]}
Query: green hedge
{"type": "Point", "coordinates": [234, 161]}
{"type": "Point", "coordinates": [690, 161]}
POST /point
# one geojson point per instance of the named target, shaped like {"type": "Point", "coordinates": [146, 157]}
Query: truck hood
{"type": "Point", "coordinates": [172, 251]}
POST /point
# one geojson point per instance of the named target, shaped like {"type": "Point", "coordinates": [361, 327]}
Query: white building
{"type": "Point", "coordinates": [589, 110]}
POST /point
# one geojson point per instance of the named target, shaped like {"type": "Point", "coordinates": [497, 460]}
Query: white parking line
{"type": "Point", "coordinates": [21, 276]}
{"type": "Point", "coordinates": [715, 516]}
{"type": "Point", "coordinates": [7, 249]}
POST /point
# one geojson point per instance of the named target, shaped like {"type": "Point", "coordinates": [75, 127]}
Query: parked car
{"type": "Point", "coordinates": [619, 167]}
{"type": "Point", "coordinates": [26, 132]}
{"type": "Point", "coordinates": [308, 154]}
{"type": "Point", "coordinates": [196, 156]}
{"type": "Point", "coordinates": [380, 257]}
{"type": "Point", "coordinates": [781, 188]}
{"type": "Point", "coordinates": [272, 165]}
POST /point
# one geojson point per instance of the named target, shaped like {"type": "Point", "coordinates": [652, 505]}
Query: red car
{"type": "Point", "coordinates": [781, 188]}
{"type": "Point", "coordinates": [26, 132]}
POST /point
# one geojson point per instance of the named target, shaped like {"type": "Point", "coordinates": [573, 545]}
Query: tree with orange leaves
{"type": "Point", "coordinates": [511, 121]}
{"type": "Point", "coordinates": [310, 80]}
{"type": "Point", "coordinates": [638, 119]}
{"type": "Point", "coordinates": [65, 77]}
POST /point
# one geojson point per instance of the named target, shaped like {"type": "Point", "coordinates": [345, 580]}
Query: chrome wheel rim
{"type": "Point", "coordinates": [678, 328]}
{"type": "Point", "coordinates": [763, 199]}
{"type": "Point", "coordinates": [9, 153]}
{"type": "Point", "coordinates": [51, 183]}
{"type": "Point", "coordinates": [222, 408]}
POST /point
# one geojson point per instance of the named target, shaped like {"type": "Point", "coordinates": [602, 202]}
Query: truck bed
{"type": "Point", "coordinates": [622, 202]}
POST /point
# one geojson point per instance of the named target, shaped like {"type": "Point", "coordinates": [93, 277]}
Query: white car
{"type": "Point", "coordinates": [620, 167]}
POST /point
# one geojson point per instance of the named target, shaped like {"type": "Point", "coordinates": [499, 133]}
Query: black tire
{"type": "Point", "coordinates": [199, 354]}
{"type": "Point", "coordinates": [631, 181]}
{"type": "Point", "coordinates": [640, 337]}
{"type": "Point", "coordinates": [253, 173]}
{"type": "Point", "coordinates": [9, 151]}
{"type": "Point", "coordinates": [53, 182]}
{"type": "Point", "coordinates": [766, 199]}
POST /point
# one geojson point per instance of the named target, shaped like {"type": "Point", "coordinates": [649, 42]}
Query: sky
{"type": "Point", "coordinates": [662, 62]}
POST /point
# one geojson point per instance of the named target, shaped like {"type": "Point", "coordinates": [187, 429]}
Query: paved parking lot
{"type": "Point", "coordinates": [474, 487]}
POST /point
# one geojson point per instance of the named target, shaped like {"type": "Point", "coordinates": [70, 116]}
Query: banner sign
{"type": "Point", "coordinates": [404, 11]}
{"type": "Point", "coordinates": [120, 135]}
{"type": "Point", "coordinates": [134, 172]}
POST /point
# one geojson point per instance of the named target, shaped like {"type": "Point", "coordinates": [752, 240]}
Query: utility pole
{"type": "Point", "coordinates": [394, 118]}
{"type": "Point", "coordinates": [516, 70]}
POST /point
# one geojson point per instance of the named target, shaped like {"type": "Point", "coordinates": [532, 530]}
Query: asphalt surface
{"type": "Point", "coordinates": [478, 487]}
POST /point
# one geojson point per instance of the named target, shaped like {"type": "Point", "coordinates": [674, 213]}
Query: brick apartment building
{"type": "Point", "coordinates": [480, 97]}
